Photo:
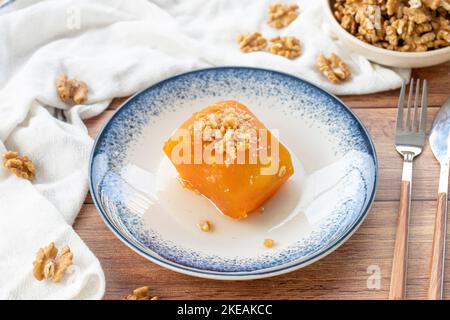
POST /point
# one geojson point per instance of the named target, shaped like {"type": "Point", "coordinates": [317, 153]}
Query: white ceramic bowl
{"type": "Point", "coordinates": [384, 56]}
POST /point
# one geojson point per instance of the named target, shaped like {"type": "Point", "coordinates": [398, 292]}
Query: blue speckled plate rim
{"type": "Point", "coordinates": [236, 275]}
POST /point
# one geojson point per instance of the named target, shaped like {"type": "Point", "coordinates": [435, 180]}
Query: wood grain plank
{"type": "Point", "coordinates": [341, 275]}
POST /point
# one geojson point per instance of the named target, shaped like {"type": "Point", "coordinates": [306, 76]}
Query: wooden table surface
{"type": "Point", "coordinates": [345, 273]}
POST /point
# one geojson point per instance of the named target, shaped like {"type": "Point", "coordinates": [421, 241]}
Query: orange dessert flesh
{"type": "Point", "coordinates": [229, 156]}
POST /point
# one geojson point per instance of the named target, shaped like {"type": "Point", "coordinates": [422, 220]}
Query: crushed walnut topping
{"type": "Point", "coordinates": [49, 265]}
{"type": "Point", "coordinates": [228, 132]}
{"type": "Point", "coordinates": [288, 47]}
{"type": "Point", "coordinates": [400, 25]}
{"type": "Point", "coordinates": [333, 68]}
{"type": "Point", "coordinates": [71, 90]}
{"type": "Point", "coordinates": [251, 42]}
{"type": "Point", "coordinates": [205, 225]}
{"type": "Point", "coordinates": [21, 166]}
{"type": "Point", "coordinates": [281, 15]}
{"type": "Point", "coordinates": [141, 293]}
{"type": "Point", "coordinates": [259, 210]}
{"type": "Point", "coordinates": [269, 243]}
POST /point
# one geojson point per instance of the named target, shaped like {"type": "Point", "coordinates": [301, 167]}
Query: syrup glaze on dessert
{"type": "Point", "coordinates": [232, 175]}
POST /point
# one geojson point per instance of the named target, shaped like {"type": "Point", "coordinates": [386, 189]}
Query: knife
{"type": "Point", "coordinates": [439, 142]}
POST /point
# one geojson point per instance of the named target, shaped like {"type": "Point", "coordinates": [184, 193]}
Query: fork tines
{"type": "Point", "coordinates": [412, 124]}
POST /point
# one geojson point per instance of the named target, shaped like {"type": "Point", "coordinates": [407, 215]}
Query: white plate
{"type": "Point", "coordinates": [135, 186]}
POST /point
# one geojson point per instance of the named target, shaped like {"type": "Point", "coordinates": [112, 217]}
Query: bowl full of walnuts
{"type": "Point", "coordinates": [396, 33]}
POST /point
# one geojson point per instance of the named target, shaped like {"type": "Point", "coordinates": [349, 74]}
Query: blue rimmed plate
{"type": "Point", "coordinates": [136, 190]}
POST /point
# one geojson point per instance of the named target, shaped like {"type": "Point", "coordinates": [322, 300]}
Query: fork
{"type": "Point", "coordinates": [409, 142]}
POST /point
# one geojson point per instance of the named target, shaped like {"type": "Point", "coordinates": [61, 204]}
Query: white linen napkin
{"type": "Point", "coordinates": [117, 47]}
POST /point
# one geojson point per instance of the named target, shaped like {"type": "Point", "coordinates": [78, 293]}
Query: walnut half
{"type": "Point", "coordinates": [20, 166]}
{"type": "Point", "coordinates": [71, 90]}
{"type": "Point", "coordinates": [48, 265]}
{"type": "Point", "coordinates": [281, 15]}
{"type": "Point", "coordinates": [251, 42]}
{"type": "Point", "coordinates": [141, 293]}
{"type": "Point", "coordinates": [288, 47]}
{"type": "Point", "coordinates": [333, 68]}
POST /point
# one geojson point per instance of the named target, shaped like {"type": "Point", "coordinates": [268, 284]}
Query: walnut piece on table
{"type": "Point", "coordinates": [49, 265]}
{"type": "Point", "coordinates": [333, 68]}
{"type": "Point", "coordinates": [21, 166]}
{"type": "Point", "coordinates": [71, 90]}
{"type": "Point", "coordinates": [250, 42]}
{"type": "Point", "coordinates": [288, 47]}
{"type": "Point", "coordinates": [281, 15]}
{"type": "Point", "coordinates": [141, 293]}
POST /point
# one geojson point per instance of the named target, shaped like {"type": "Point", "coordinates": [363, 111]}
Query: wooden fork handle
{"type": "Point", "coordinates": [435, 288]}
{"type": "Point", "coordinates": [400, 259]}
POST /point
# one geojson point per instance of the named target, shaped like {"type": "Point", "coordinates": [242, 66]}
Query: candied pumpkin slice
{"type": "Point", "coordinates": [229, 156]}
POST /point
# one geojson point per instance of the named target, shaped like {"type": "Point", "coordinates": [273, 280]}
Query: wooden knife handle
{"type": "Point", "coordinates": [435, 288]}
{"type": "Point", "coordinates": [400, 259]}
